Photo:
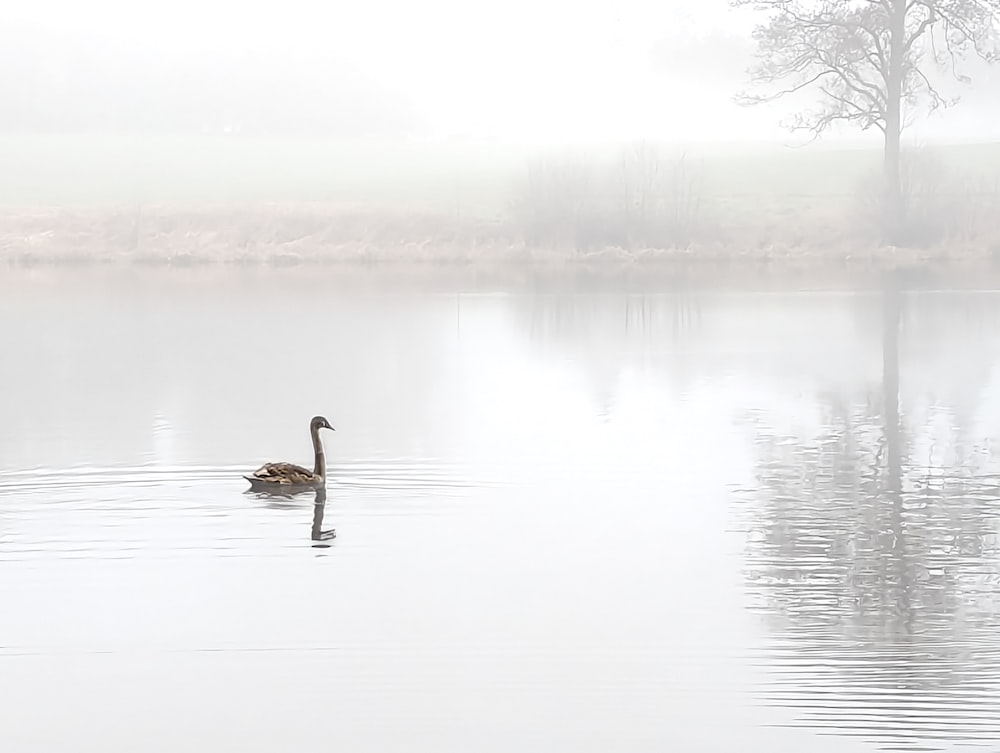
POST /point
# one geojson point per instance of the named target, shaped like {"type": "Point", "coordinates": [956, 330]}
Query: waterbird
{"type": "Point", "coordinates": [285, 477]}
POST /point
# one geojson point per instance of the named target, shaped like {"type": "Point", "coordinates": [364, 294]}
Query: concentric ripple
{"type": "Point", "coordinates": [92, 512]}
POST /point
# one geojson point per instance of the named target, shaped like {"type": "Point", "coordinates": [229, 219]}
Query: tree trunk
{"type": "Point", "coordinates": [894, 209]}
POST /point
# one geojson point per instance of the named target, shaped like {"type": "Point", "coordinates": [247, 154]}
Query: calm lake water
{"type": "Point", "coordinates": [571, 516]}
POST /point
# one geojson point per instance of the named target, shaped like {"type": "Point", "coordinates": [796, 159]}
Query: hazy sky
{"type": "Point", "coordinates": [517, 70]}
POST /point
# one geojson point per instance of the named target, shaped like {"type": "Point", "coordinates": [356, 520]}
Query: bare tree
{"type": "Point", "coordinates": [868, 58]}
{"type": "Point", "coordinates": [661, 199]}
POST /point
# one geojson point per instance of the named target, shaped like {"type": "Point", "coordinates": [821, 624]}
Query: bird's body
{"type": "Point", "coordinates": [286, 477]}
{"type": "Point", "coordinates": [285, 474]}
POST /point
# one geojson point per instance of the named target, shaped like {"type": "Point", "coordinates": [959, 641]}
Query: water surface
{"type": "Point", "coordinates": [569, 516]}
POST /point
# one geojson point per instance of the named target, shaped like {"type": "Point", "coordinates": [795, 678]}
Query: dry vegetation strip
{"type": "Point", "coordinates": [639, 204]}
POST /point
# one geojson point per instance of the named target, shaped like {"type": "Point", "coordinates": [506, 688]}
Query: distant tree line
{"type": "Point", "coordinates": [49, 84]}
{"type": "Point", "coordinates": [643, 199]}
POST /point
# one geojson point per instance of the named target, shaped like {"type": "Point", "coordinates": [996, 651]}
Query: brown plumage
{"type": "Point", "coordinates": [285, 477]}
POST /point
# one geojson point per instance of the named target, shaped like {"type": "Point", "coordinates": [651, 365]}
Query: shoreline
{"type": "Point", "coordinates": [347, 279]}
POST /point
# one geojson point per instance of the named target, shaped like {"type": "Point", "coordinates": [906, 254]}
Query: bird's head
{"type": "Point", "coordinates": [319, 422]}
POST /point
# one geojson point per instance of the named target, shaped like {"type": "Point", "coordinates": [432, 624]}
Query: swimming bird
{"type": "Point", "coordinates": [285, 477]}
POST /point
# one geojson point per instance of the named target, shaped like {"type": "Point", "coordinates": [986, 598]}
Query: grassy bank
{"type": "Point", "coordinates": [286, 235]}
{"type": "Point", "coordinates": [170, 200]}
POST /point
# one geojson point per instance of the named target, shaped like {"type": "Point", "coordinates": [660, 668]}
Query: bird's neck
{"type": "Point", "coordinates": [319, 468]}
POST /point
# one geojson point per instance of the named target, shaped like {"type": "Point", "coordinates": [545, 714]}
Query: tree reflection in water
{"type": "Point", "coordinates": [879, 573]}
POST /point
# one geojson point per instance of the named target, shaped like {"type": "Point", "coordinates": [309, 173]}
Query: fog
{"type": "Point", "coordinates": [441, 376]}
{"type": "Point", "coordinates": [539, 71]}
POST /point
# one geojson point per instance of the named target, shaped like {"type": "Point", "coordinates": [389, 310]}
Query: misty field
{"type": "Point", "coordinates": [238, 199]}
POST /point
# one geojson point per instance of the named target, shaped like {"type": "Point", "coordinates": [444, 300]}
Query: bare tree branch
{"type": "Point", "coordinates": [865, 59]}
{"type": "Point", "coordinates": [846, 49]}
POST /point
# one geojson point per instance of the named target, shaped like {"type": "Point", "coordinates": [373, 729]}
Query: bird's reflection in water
{"type": "Point", "coordinates": [321, 537]}
{"type": "Point", "coordinates": [278, 499]}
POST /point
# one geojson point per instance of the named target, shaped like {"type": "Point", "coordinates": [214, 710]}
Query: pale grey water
{"type": "Point", "coordinates": [570, 517]}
